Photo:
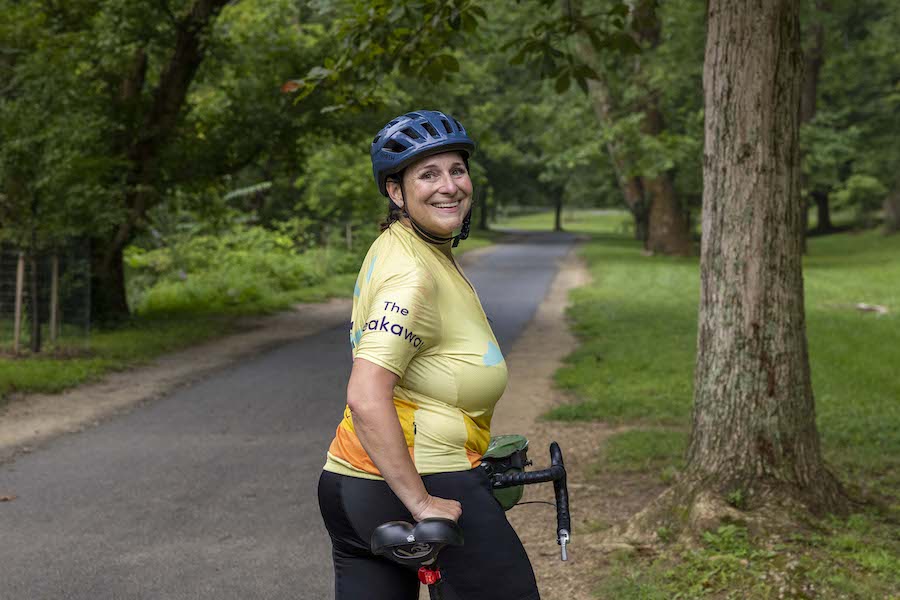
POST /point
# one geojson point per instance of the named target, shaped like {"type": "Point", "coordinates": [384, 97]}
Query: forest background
{"type": "Point", "coordinates": [163, 133]}
{"type": "Point", "coordinates": [211, 157]}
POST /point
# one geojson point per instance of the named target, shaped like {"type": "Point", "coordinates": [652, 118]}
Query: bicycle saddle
{"type": "Point", "coordinates": [415, 546]}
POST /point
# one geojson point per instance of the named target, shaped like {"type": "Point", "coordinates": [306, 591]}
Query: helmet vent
{"type": "Point", "coordinates": [430, 129]}
{"type": "Point", "coordinates": [413, 115]}
{"type": "Point", "coordinates": [458, 126]}
{"type": "Point", "coordinates": [394, 146]}
{"type": "Point", "coordinates": [412, 133]}
{"type": "Point", "coordinates": [375, 141]}
{"type": "Point", "coordinates": [446, 125]}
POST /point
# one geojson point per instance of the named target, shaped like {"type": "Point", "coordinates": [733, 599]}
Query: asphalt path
{"type": "Point", "coordinates": [210, 492]}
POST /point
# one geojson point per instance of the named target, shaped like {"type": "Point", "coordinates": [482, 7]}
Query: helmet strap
{"type": "Point", "coordinates": [464, 232]}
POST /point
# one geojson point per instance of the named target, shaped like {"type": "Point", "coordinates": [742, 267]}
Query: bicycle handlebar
{"type": "Point", "coordinates": [557, 474]}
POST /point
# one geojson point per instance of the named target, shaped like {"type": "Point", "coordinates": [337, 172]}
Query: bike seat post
{"type": "Point", "coordinates": [418, 546]}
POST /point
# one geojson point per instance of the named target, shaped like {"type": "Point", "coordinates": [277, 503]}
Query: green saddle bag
{"type": "Point", "coordinates": [504, 454]}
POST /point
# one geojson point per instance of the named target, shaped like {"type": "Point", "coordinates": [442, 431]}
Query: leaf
{"type": "Point", "coordinates": [586, 72]}
{"type": "Point", "coordinates": [291, 85]}
{"type": "Point", "coordinates": [449, 63]}
{"type": "Point", "coordinates": [478, 12]}
{"type": "Point", "coordinates": [563, 82]}
{"type": "Point", "coordinates": [319, 72]}
{"type": "Point", "coordinates": [619, 10]}
{"type": "Point", "coordinates": [7, 498]}
{"type": "Point", "coordinates": [469, 23]}
{"type": "Point", "coordinates": [582, 83]}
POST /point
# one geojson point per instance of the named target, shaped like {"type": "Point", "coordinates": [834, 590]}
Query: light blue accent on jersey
{"type": "Point", "coordinates": [356, 290]}
{"type": "Point", "coordinates": [493, 356]}
{"type": "Point", "coordinates": [371, 268]}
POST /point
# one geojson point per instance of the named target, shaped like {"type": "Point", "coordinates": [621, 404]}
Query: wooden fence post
{"type": "Point", "coordinates": [34, 301]}
{"type": "Point", "coordinates": [54, 298]}
{"type": "Point", "coordinates": [20, 290]}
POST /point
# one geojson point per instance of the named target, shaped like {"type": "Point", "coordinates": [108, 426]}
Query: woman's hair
{"type": "Point", "coordinates": [394, 211]}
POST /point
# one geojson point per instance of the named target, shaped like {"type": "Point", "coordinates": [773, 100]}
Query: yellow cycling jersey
{"type": "Point", "coordinates": [415, 314]}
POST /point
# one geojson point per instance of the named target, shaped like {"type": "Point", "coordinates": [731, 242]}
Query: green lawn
{"type": "Point", "coordinates": [637, 325]}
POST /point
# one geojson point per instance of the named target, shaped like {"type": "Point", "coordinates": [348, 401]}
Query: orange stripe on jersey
{"type": "Point", "coordinates": [347, 447]}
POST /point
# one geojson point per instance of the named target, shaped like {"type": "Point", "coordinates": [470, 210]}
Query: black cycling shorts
{"type": "Point", "coordinates": [492, 565]}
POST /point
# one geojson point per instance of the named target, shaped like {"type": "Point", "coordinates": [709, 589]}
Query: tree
{"type": "Point", "coordinates": [149, 115]}
{"type": "Point", "coordinates": [644, 171]}
{"type": "Point", "coordinates": [754, 431]}
{"type": "Point", "coordinates": [848, 146]}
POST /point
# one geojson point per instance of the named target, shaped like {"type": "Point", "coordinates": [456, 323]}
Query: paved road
{"type": "Point", "coordinates": [210, 492]}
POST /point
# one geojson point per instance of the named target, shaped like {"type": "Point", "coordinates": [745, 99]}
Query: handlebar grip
{"type": "Point", "coordinates": [557, 474]}
{"type": "Point", "coordinates": [527, 477]}
{"type": "Point", "coordinates": [561, 491]}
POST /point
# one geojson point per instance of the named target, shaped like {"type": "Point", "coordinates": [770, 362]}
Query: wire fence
{"type": "Point", "coordinates": [45, 299]}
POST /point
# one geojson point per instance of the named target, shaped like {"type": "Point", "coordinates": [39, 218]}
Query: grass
{"type": "Point", "coordinates": [77, 362]}
{"type": "Point", "coordinates": [855, 559]}
{"type": "Point", "coordinates": [637, 324]}
{"type": "Point", "coordinates": [188, 318]}
{"type": "Point", "coordinates": [643, 451]}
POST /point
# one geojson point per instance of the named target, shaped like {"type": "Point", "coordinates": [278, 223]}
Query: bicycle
{"type": "Point", "coordinates": [419, 546]}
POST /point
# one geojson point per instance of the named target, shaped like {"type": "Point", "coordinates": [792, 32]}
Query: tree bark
{"type": "Point", "coordinates": [557, 220]}
{"type": "Point", "coordinates": [754, 425]}
{"type": "Point", "coordinates": [109, 302]}
{"type": "Point", "coordinates": [149, 134]}
{"type": "Point", "coordinates": [892, 211]}
{"type": "Point", "coordinates": [823, 212]}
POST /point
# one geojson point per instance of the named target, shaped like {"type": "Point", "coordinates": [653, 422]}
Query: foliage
{"type": "Point", "coordinates": [244, 269]}
{"type": "Point", "coordinates": [52, 169]}
{"type": "Point", "coordinates": [245, 147]}
{"type": "Point", "coordinates": [847, 145]}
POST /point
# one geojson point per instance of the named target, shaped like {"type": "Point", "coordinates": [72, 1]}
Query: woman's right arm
{"type": "Point", "coordinates": [370, 397]}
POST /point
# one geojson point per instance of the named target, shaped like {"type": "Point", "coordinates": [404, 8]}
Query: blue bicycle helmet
{"type": "Point", "coordinates": [409, 137]}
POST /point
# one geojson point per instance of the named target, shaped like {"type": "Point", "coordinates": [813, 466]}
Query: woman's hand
{"type": "Point", "coordinates": [433, 506]}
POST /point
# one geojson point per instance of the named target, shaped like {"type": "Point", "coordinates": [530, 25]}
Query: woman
{"type": "Point", "coordinates": [427, 372]}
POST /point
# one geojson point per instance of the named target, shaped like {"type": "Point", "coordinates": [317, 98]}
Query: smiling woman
{"type": "Point", "coordinates": [427, 373]}
{"type": "Point", "coordinates": [435, 193]}
{"type": "Point", "coordinates": [426, 154]}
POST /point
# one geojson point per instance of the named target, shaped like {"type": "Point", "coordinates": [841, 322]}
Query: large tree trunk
{"type": "Point", "coordinates": [109, 302]}
{"type": "Point", "coordinates": [147, 137]}
{"type": "Point", "coordinates": [754, 426]}
{"type": "Point", "coordinates": [668, 231]}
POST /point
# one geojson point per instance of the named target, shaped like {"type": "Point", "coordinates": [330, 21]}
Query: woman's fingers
{"type": "Point", "coordinates": [440, 508]}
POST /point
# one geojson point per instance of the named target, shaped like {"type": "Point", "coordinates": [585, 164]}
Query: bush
{"type": "Point", "coordinates": [247, 268]}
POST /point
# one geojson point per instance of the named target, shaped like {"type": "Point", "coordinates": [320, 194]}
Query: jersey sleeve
{"type": "Point", "coordinates": [400, 320]}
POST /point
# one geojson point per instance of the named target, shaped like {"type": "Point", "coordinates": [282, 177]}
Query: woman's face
{"type": "Point", "coordinates": [438, 192]}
